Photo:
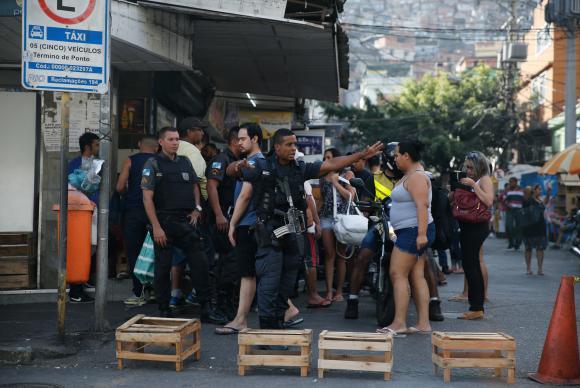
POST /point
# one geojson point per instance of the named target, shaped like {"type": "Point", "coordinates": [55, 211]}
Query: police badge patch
{"type": "Point", "coordinates": [216, 165]}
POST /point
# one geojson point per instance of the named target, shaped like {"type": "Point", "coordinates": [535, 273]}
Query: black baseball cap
{"type": "Point", "coordinates": [190, 123]}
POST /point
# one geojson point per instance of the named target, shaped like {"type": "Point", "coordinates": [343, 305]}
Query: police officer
{"type": "Point", "coordinates": [171, 197]}
{"type": "Point", "coordinates": [278, 191]}
{"type": "Point", "coordinates": [220, 192]}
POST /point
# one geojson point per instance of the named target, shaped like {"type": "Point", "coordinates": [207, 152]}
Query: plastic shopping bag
{"type": "Point", "coordinates": [145, 266]}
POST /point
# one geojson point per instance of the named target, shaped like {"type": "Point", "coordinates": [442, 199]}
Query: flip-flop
{"type": "Point", "coordinates": [338, 299]}
{"type": "Point", "coordinates": [293, 322]}
{"type": "Point", "coordinates": [457, 298]}
{"type": "Point", "coordinates": [324, 303]}
{"type": "Point", "coordinates": [414, 330]}
{"type": "Point", "coordinates": [394, 333]}
{"type": "Point", "coordinates": [226, 330]}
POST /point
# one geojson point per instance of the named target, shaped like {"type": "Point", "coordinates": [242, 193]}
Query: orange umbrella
{"type": "Point", "coordinates": [567, 162]}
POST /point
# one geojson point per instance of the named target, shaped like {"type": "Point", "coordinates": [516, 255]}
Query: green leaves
{"type": "Point", "coordinates": [452, 116]}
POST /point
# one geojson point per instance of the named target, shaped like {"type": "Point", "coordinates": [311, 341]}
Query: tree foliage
{"type": "Point", "coordinates": [452, 116]}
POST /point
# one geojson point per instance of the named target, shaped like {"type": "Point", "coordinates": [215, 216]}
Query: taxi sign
{"type": "Point", "coordinates": [65, 45]}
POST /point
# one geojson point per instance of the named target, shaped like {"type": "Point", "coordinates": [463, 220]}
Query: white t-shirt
{"type": "Point", "coordinates": [197, 161]}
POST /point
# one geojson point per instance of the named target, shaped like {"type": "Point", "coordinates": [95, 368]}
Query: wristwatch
{"type": "Point", "coordinates": [198, 208]}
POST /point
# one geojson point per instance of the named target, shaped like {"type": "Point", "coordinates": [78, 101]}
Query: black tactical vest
{"type": "Point", "coordinates": [174, 185]}
{"type": "Point", "coordinates": [271, 191]}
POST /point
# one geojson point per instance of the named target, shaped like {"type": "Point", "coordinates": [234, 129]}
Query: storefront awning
{"type": "Point", "coordinates": [276, 57]}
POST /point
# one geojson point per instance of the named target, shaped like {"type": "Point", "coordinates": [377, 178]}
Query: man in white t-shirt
{"type": "Point", "coordinates": [191, 133]}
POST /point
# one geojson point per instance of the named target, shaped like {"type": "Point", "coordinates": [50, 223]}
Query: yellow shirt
{"type": "Point", "coordinates": [197, 161]}
{"type": "Point", "coordinates": [383, 185]}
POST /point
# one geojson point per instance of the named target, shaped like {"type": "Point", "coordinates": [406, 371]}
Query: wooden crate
{"type": "Point", "coordinates": [16, 260]}
{"type": "Point", "coordinates": [299, 343]}
{"type": "Point", "coordinates": [378, 343]}
{"type": "Point", "coordinates": [474, 350]}
{"type": "Point", "coordinates": [140, 332]}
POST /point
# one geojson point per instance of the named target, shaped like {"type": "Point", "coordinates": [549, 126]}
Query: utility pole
{"type": "Point", "coordinates": [510, 76]}
{"type": "Point", "coordinates": [566, 14]}
{"type": "Point", "coordinates": [570, 112]}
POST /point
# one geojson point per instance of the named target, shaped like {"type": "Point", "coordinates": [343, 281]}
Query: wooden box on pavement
{"type": "Point", "coordinates": [474, 350]}
{"type": "Point", "coordinates": [142, 333]}
{"type": "Point", "coordinates": [299, 343]}
{"type": "Point", "coordinates": [378, 343]}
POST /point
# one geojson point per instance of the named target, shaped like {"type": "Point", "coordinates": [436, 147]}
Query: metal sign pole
{"type": "Point", "coordinates": [101, 323]}
{"type": "Point", "coordinates": [62, 248]}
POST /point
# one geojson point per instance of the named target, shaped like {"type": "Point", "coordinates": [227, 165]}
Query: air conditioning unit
{"type": "Point", "coordinates": [574, 7]}
{"type": "Point", "coordinates": [561, 12]}
{"type": "Point", "coordinates": [515, 52]}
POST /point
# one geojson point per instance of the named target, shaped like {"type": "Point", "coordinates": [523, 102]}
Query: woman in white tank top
{"type": "Point", "coordinates": [413, 223]}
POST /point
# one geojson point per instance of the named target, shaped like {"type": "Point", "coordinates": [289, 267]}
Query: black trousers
{"type": "Point", "coordinates": [471, 239]}
{"type": "Point", "coordinates": [182, 234]}
{"type": "Point", "coordinates": [135, 223]}
{"type": "Point", "coordinates": [512, 226]}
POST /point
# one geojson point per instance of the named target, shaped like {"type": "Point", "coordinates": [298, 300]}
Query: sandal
{"type": "Point", "coordinates": [414, 330]}
{"type": "Point", "coordinates": [226, 330]}
{"type": "Point", "coordinates": [394, 333]}
{"type": "Point", "coordinates": [457, 298]}
{"type": "Point", "coordinates": [292, 322]}
{"type": "Point", "coordinates": [324, 303]}
{"type": "Point", "coordinates": [338, 298]}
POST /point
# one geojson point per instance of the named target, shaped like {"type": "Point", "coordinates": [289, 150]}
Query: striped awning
{"type": "Point", "coordinates": [567, 162]}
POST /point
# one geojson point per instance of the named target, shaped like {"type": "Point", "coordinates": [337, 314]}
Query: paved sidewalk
{"type": "Point", "coordinates": [520, 305]}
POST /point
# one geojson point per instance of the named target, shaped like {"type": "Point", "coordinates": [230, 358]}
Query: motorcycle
{"type": "Point", "coordinates": [382, 287]}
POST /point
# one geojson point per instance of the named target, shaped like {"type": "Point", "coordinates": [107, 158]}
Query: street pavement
{"type": "Point", "coordinates": [520, 305]}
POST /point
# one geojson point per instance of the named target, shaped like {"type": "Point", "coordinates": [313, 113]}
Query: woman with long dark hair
{"type": "Point", "coordinates": [334, 189]}
{"type": "Point", "coordinates": [413, 223]}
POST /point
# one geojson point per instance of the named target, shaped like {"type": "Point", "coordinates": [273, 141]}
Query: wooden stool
{"type": "Point", "coordinates": [249, 355]}
{"type": "Point", "coordinates": [474, 350]}
{"type": "Point", "coordinates": [372, 342]}
{"type": "Point", "coordinates": [132, 337]}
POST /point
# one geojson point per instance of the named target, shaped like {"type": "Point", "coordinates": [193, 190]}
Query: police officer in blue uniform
{"type": "Point", "coordinates": [220, 195]}
{"type": "Point", "coordinates": [172, 197]}
{"type": "Point", "coordinates": [278, 192]}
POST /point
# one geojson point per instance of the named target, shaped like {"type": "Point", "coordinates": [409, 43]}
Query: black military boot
{"type": "Point", "coordinates": [165, 312]}
{"type": "Point", "coordinates": [351, 311]}
{"type": "Point", "coordinates": [210, 315]}
{"type": "Point", "coordinates": [435, 311]}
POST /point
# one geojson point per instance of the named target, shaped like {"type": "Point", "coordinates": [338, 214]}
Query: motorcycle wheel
{"type": "Point", "coordinates": [385, 306]}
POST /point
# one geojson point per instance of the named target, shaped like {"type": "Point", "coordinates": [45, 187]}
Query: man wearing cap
{"type": "Point", "coordinates": [191, 133]}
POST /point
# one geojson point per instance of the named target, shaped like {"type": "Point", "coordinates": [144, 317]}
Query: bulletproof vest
{"type": "Point", "coordinates": [174, 185]}
{"type": "Point", "coordinates": [272, 194]}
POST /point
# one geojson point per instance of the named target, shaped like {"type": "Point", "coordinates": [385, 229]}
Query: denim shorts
{"type": "Point", "coordinates": [327, 223]}
{"type": "Point", "coordinates": [178, 257]}
{"type": "Point", "coordinates": [370, 240]}
{"type": "Point", "coordinates": [407, 239]}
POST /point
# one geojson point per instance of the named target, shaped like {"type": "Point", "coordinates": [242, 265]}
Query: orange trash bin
{"type": "Point", "coordinates": [78, 250]}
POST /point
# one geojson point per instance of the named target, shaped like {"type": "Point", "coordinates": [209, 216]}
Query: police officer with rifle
{"type": "Point", "coordinates": [172, 197]}
{"type": "Point", "coordinates": [278, 192]}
